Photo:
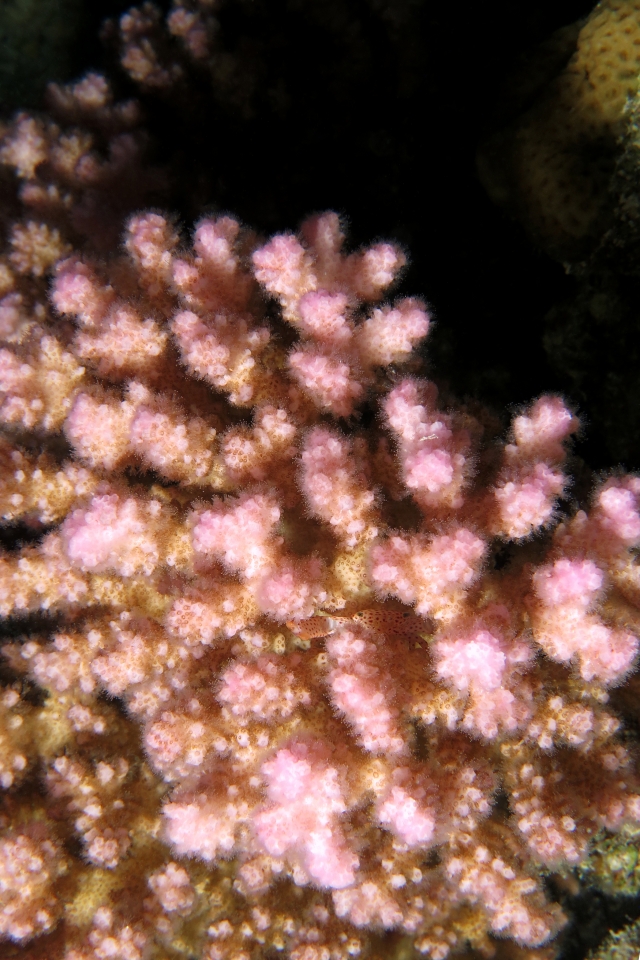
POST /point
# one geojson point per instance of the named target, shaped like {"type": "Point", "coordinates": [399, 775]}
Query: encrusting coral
{"type": "Point", "coordinates": [302, 659]}
{"type": "Point", "coordinates": [552, 166]}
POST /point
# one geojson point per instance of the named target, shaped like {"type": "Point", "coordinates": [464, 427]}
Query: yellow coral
{"type": "Point", "coordinates": [552, 166]}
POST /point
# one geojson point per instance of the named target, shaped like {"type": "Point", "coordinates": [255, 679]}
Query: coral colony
{"type": "Point", "coordinates": [302, 660]}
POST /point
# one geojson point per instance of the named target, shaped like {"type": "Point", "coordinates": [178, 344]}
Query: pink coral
{"type": "Point", "coordinates": [336, 488]}
{"type": "Point", "coordinates": [362, 689]}
{"type": "Point", "coordinates": [301, 819]}
{"type": "Point", "coordinates": [30, 863]}
{"type": "Point", "coordinates": [310, 621]}
{"type": "Point", "coordinates": [204, 827]}
{"type": "Point", "coordinates": [262, 690]}
{"type": "Point", "coordinates": [433, 574]}
{"type": "Point", "coordinates": [409, 810]}
{"type": "Point", "coordinates": [531, 481]}
{"type": "Point", "coordinates": [483, 665]}
{"type": "Point", "coordinates": [433, 455]}
{"type": "Point", "coordinates": [111, 533]}
{"type": "Point", "coordinates": [173, 888]}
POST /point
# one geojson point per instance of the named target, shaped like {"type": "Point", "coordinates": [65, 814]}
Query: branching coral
{"type": "Point", "coordinates": [275, 689]}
